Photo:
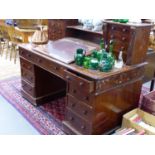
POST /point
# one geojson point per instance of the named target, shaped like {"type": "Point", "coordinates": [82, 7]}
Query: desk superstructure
{"type": "Point", "coordinates": [95, 100]}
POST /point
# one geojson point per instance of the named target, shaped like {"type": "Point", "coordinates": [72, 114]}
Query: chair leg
{"type": "Point", "coordinates": [152, 85]}
{"type": "Point", "coordinates": [15, 55]}
{"type": "Point", "coordinates": [11, 53]}
{"type": "Point", "coordinates": [7, 50]}
{"type": "Point", "coordinates": [152, 82]}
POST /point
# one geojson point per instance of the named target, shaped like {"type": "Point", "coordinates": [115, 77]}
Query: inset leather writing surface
{"type": "Point", "coordinates": [64, 49]}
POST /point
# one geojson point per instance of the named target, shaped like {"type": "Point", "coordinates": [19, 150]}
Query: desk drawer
{"type": "Point", "coordinates": [28, 75]}
{"type": "Point", "coordinates": [26, 54]}
{"type": "Point", "coordinates": [79, 83]}
{"type": "Point", "coordinates": [82, 96]}
{"type": "Point", "coordinates": [49, 65]}
{"type": "Point", "coordinates": [77, 122]}
{"type": "Point", "coordinates": [42, 62]}
{"type": "Point", "coordinates": [119, 28]}
{"type": "Point", "coordinates": [28, 88]}
{"type": "Point", "coordinates": [119, 79]}
{"type": "Point", "coordinates": [79, 107]}
{"type": "Point", "coordinates": [27, 65]}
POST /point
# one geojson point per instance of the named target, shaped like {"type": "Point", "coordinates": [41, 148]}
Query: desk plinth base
{"type": "Point", "coordinates": [43, 99]}
{"type": "Point", "coordinates": [68, 129]}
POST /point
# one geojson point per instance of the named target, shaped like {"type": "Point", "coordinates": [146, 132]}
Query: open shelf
{"type": "Point", "coordinates": [80, 27]}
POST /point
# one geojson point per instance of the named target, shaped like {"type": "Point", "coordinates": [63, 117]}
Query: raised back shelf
{"type": "Point", "coordinates": [80, 28]}
{"type": "Point", "coordinates": [77, 31]}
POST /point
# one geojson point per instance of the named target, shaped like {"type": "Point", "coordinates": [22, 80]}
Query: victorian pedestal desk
{"type": "Point", "coordinates": [95, 100]}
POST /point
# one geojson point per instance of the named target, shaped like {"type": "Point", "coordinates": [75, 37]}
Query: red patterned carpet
{"type": "Point", "coordinates": [46, 118]}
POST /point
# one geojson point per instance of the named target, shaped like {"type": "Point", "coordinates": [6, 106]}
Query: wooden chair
{"type": "Point", "coordinates": [15, 39]}
{"type": "Point", "coordinates": [4, 42]}
{"type": "Point", "coordinates": [152, 82]}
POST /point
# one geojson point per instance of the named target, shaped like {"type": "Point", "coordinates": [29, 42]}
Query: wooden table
{"type": "Point", "coordinates": [95, 101]}
{"type": "Point", "coordinates": [23, 33]}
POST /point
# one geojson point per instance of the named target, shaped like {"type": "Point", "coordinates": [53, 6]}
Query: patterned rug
{"type": "Point", "coordinates": [46, 118]}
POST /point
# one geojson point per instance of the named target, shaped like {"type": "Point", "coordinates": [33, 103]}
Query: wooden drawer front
{"type": "Point", "coordinates": [27, 88]}
{"type": "Point", "coordinates": [119, 28]}
{"type": "Point", "coordinates": [85, 97]}
{"type": "Point", "coordinates": [26, 54]}
{"type": "Point", "coordinates": [120, 46]}
{"type": "Point", "coordinates": [42, 62]}
{"type": "Point", "coordinates": [77, 122]}
{"type": "Point", "coordinates": [116, 35]}
{"type": "Point", "coordinates": [49, 65]}
{"type": "Point", "coordinates": [28, 75]}
{"type": "Point", "coordinates": [119, 79]}
{"type": "Point", "coordinates": [27, 65]}
{"type": "Point", "coordinates": [79, 107]}
{"type": "Point", "coordinates": [81, 84]}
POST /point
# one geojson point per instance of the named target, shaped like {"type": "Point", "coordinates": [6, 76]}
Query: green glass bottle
{"type": "Point", "coordinates": [102, 45]}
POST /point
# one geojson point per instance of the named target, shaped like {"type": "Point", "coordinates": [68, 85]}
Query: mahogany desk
{"type": "Point", "coordinates": [95, 100]}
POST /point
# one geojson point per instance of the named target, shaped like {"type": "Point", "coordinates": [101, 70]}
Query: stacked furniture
{"type": "Point", "coordinates": [95, 100]}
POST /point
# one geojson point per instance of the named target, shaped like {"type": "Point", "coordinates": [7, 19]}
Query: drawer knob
{"type": "Point", "coordinates": [113, 27]}
{"type": "Point", "coordinates": [122, 48]}
{"type": "Point", "coordinates": [120, 82]}
{"type": "Point", "coordinates": [124, 30]}
{"type": "Point", "coordinates": [85, 112]}
{"type": "Point", "coordinates": [123, 38]}
{"type": "Point", "coordinates": [112, 36]}
{"type": "Point", "coordinates": [83, 127]}
{"type": "Point", "coordinates": [56, 68]}
{"type": "Point", "coordinates": [81, 83]}
{"type": "Point", "coordinates": [68, 77]}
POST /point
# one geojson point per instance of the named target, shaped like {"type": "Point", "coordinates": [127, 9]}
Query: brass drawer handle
{"type": "Point", "coordinates": [124, 30]}
{"type": "Point", "coordinates": [112, 37]}
{"type": "Point", "coordinates": [56, 68]}
{"type": "Point", "coordinates": [123, 38]}
{"type": "Point", "coordinates": [81, 83]}
{"type": "Point", "coordinates": [68, 77]}
{"type": "Point", "coordinates": [113, 27]}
